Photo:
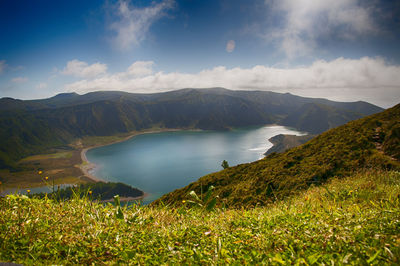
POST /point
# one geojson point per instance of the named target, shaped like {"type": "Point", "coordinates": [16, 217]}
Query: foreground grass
{"type": "Point", "coordinates": [354, 220]}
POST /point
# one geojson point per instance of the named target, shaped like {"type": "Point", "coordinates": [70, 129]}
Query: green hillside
{"type": "Point", "coordinates": [352, 220]}
{"type": "Point", "coordinates": [371, 142]}
{"type": "Point", "coordinates": [35, 126]}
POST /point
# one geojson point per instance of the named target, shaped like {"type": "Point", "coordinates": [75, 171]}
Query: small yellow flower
{"type": "Point", "coordinates": [183, 201]}
{"type": "Point", "coordinates": [28, 190]}
{"type": "Point", "coordinates": [46, 178]}
{"type": "Point", "coordinates": [40, 172]}
{"type": "Point", "coordinates": [90, 192]}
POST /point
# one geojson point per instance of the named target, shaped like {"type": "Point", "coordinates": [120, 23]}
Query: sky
{"type": "Point", "coordinates": [345, 50]}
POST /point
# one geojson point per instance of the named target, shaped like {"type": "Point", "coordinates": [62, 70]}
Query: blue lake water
{"type": "Point", "coordinates": [158, 163]}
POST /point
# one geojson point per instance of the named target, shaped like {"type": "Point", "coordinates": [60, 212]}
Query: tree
{"type": "Point", "coordinates": [224, 164]}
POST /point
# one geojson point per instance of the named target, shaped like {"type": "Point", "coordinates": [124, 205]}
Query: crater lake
{"type": "Point", "coordinates": [158, 163]}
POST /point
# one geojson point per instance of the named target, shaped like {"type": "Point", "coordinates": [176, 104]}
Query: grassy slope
{"type": "Point", "coordinates": [371, 142]}
{"type": "Point", "coordinates": [352, 220]}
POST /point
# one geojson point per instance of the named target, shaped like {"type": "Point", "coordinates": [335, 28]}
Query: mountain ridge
{"type": "Point", "coordinates": [110, 95]}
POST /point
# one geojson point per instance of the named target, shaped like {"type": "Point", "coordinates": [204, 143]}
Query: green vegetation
{"type": "Point", "coordinates": [371, 142]}
{"type": "Point", "coordinates": [208, 202]}
{"type": "Point", "coordinates": [225, 164]}
{"type": "Point", "coordinates": [351, 220]}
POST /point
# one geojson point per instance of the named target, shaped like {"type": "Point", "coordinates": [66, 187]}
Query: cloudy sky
{"type": "Point", "coordinates": [344, 50]}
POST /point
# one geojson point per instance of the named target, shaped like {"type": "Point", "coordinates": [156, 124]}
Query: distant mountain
{"type": "Point", "coordinates": [316, 118]}
{"type": "Point", "coordinates": [34, 126]}
{"type": "Point", "coordinates": [371, 142]}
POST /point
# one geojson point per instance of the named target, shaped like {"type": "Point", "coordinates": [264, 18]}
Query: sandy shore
{"type": "Point", "coordinates": [87, 166]}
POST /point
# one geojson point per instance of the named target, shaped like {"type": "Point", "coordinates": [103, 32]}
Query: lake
{"type": "Point", "coordinates": [159, 163]}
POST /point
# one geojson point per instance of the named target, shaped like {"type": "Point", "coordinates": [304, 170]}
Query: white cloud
{"type": "Point", "coordinates": [3, 65]}
{"type": "Point", "coordinates": [133, 23]}
{"type": "Point", "coordinates": [140, 68]}
{"type": "Point", "coordinates": [305, 22]}
{"type": "Point", "coordinates": [84, 70]}
{"type": "Point", "coordinates": [369, 79]}
{"type": "Point", "coordinates": [230, 46]}
{"type": "Point", "coordinates": [20, 80]}
{"type": "Point", "coordinates": [41, 85]}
